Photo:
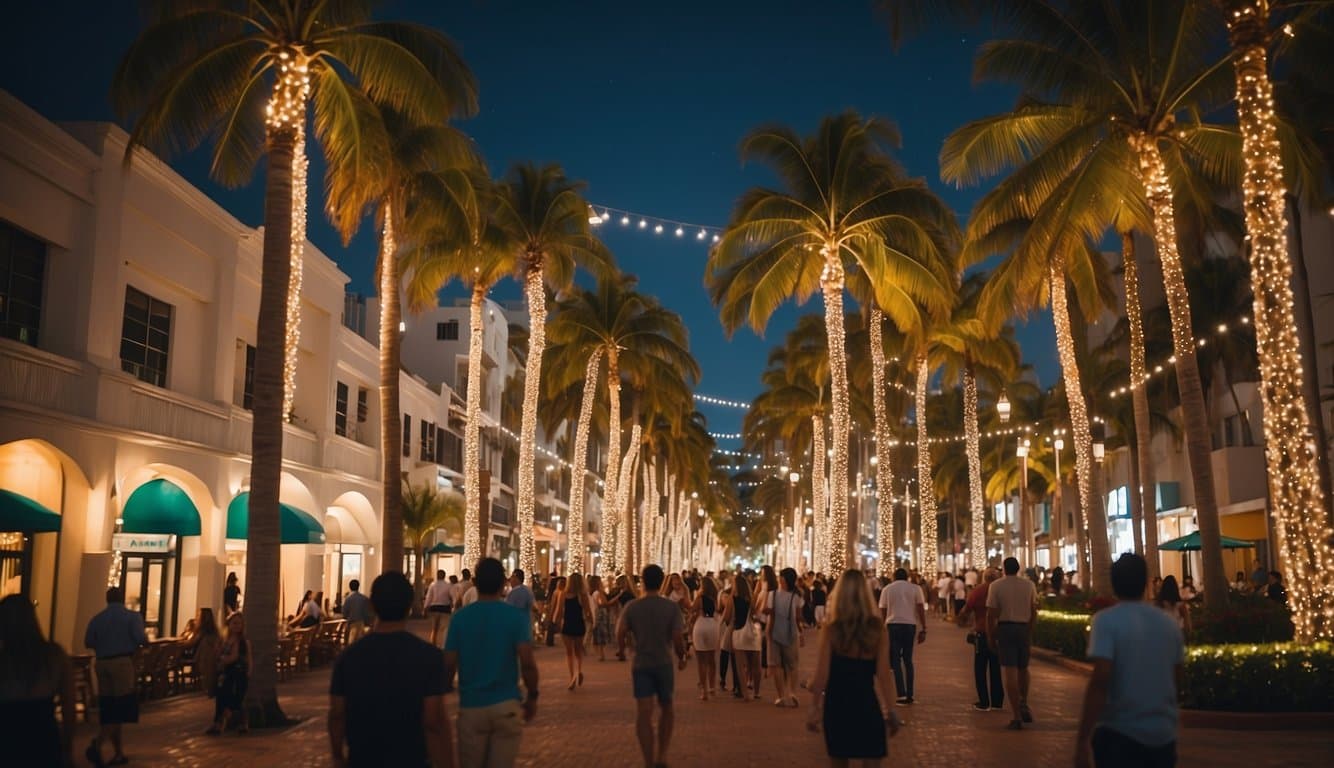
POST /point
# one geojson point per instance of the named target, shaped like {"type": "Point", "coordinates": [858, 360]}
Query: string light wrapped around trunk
{"type": "Point", "coordinates": [1090, 515]}
{"type": "Point", "coordinates": [624, 495]}
{"type": "Point", "coordinates": [926, 492]}
{"type": "Point", "coordinates": [884, 466]}
{"type": "Point", "coordinates": [832, 283]}
{"type": "Point", "coordinates": [610, 520]}
{"type": "Point", "coordinates": [1301, 516]}
{"type": "Point", "coordinates": [532, 380]}
{"type": "Point", "coordinates": [472, 490]}
{"type": "Point", "coordinates": [286, 111]}
{"type": "Point", "coordinates": [820, 548]}
{"type": "Point", "coordinates": [575, 556]}
{"type": "Point", "coordinates": [977, 527]}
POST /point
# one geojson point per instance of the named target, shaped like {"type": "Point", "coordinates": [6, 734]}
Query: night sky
{"type": "Point", "coordinates": [647, 105]}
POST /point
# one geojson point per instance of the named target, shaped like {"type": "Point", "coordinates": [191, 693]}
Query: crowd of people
{"type": "Point", "coordinates": [743, 627]}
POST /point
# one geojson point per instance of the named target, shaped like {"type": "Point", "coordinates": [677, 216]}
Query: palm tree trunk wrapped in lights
{"type": "Point", "coordinates": [820, 547]}
{"type": "Point", "coordinates": [294, 89]}
{"type": "Point", "coordinates": [1148, 485]}
{"type": "Point", "coordinates": [978, 541]}
{"type": "Point", "coordinates": [1090, 512]}
{"type": "Point", "coordinates": [1300, 512]}
{"type": "Point", "coordinates": [537, 321]}
{"type": "Point", "coordinates": [925, 488]}
{"type": "Point", "coordinates": [610, 520]}
{"type": "Point", "coordinates": [884, 467]}
{"type": "Point", "coordinates": [391, 430]}
{"type": "Point", "coordinates": [831, 282]}
{"type": "Point", "coordinates": [472, 527]}
{"type": "Point", "coordinates": [1158, 191]}
{"type": "Point", "coordinates": [575, 555]}
{"type": "Point", "coordinates": [624, 497]}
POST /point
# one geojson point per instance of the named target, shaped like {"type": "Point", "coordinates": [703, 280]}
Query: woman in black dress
{"type": "Point", "coordinates": [573, 615]}
{"type": "Point", "coordinates": [236, 664]}
{"type": "Point", "coordinates": [33, 674]}
{"type": "Point", "coordinates": [853, 659]}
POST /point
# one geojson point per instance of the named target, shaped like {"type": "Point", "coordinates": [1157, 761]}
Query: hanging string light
{"type": "Point", "coordinates": [710, 400]}
{"type": "Point", "coordinates": [1301, 517]}
{"type": "Point", "coordinates": [725, 435]}
{"type": "Point", "coordinates": [1144, 373]}
{"type": "Point", "coordinates": [607, 216]}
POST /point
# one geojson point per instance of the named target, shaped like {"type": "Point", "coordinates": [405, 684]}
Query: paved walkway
{"type": "Point", "coordinates": [595, 724]}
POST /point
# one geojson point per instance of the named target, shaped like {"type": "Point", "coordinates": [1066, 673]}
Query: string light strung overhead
{"type": "Point", "coordinates": [1162, 368]}
{"type": "Point", "coordinates": [710, 400]}
{"type": "Point", "coordinates": [609, 217]}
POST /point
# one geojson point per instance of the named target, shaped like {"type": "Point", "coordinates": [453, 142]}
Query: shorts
{"type": "Point", "coordinates": [440, 608]}
{"type": "Point", "coordinates": [654, 681]}
{"type": "Point", "coordinates": [1012, 644]}
{"type": "Point", "coordinates": [117, 699]}
{"type": "Point", "coordinates": [819, 614]}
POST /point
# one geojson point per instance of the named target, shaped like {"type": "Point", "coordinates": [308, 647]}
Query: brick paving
{"type": "Point", "coordinates": [594, 725]}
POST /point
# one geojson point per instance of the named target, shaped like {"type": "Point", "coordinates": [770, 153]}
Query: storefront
{"type": "Point", "coordinates": [22, 522]}
{"type": "Point", "coordinates": [301, 562]}
{"type": "Point", "coordinates": [157, 519]}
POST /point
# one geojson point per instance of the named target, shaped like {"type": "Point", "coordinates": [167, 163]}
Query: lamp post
{"type": "Point", "coordinates": [1098, 432]}
{"type": "Point", "coordinates": [794, 553]}
{"type": "Point", "coordinates": [1057, 512]}
{"type": "Point", "coordinates": [1003, 408]}
{"type": "Point", "coordinates": [1024, 528]}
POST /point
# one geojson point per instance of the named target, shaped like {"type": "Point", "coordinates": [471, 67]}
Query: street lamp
{"type": "Point", "coordinates": [1003, 408]}
{"type": "Point", "coordinates": [1022, 452]}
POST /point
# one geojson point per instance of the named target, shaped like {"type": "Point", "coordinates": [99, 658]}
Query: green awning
{"type": "Point", "coordinates": [297, 527]}
{"type": "Point", "coordinates": [441, 548]}
{"type": "Point", "coordinates": [20, 514]}
{"type": "Point", "coordinates": [160, 506]}
{"type": "Point", "coordinates": [1191, 543]}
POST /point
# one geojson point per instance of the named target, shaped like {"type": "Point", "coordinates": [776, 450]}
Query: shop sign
{"type": "Point", "coordinates": [148, 543]}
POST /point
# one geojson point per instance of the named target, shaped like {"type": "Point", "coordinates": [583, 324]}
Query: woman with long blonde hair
{"type": "Point", "coordinates": [853, 661]}
{"type": "Point", "coordinates": [573, 615]}
{"type": "Point", "coordinates": [739, 616]}
{"type": "Point", "coordinates": [705, 635]}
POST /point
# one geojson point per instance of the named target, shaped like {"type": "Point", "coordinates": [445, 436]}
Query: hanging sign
{"type": "Point", "coordinates": [147, 543]}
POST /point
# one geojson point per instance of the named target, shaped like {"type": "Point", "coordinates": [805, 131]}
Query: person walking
{"type": "Point", "coordinates": [573, 615]}
{"type": "Point", "coordinates": [490, 645]}
{"type": "Point", "coordinates": [439, 604]}
{"type": "Point", "coordinates": [1169, 601]}
{"type": "Point", "coordinates": [704, 635]}
{"type": "Point", "coordinates": [387, 691]}
{"type": "Point", "coordinates": [903, 609]}
{"type": "Point", "coordinates": [784, 637]}
{"type": "Point", "coordinates": [231, 596]}
{"type": "Point", "coordinates": [818, 599]}
{"type": "Point", "coordinates": [458, 590]}
{"type": "Point", "coordinates": [624, 595]}
{"type": "Point", "coordinates": [603, 629]}
{"type": "Point", "coordinates": [746, 637]}
{"type": "Point", "coordinates": [655, 624]}
{"type": "Point", "coordinates": [1011, 610]}
{"type": "Point", "coordinates": [34, 673]}
{"type": "Point", "coordinates": [986, 664]}
{"type": "Point", "coordinates": [357, 611]}
{"type": "Point", "coordinates": [1130, 716]}
{"type": "Point", "coordinates": [852, 661]}
{"type": "Point", "coordinates": [114, 634]}
{"type": "Point", "coordinates": [236, 663]}
{"type": "Point", "coordinates": [520, 596]}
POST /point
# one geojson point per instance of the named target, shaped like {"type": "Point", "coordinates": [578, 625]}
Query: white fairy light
{"type": "Point", "coordinates": [575, 558]}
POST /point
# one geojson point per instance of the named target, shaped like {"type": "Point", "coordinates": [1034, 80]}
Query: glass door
{"type": "Point", "coordinates": [144, 580]}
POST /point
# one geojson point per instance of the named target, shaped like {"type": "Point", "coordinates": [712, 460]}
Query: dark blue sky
{"type": "Point", "coordinates": [647, 104]}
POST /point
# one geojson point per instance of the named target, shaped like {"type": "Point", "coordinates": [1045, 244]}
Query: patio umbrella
{"type": "Point", "coordinates": [1191, 543]}
{"type": "Point", "coordinates": [442, 548]}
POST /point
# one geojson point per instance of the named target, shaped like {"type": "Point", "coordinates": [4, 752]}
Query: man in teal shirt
{"type": "Point", "coordinates": [490, 643]}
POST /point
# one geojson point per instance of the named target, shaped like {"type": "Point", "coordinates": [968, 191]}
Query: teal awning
{"type": "Point", "coordinates": [442, 548]}
{"type": "Point", "coordinates": [160, 506]}
{"type": "Point", "coordinates": [20, 514]}
{"type": "Point", "coordinates": [1191, 543]}
{"type": "Point", "coordinates": [297, 527]}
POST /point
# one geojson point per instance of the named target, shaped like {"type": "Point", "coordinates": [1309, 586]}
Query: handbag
{"type": "Point", "coordinates": [747, 638]}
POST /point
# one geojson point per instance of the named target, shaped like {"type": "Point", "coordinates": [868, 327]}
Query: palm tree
{"type": "Point", "coordinates": [242, 73]}
{"type": "Point", "coordinates": [631, 330]}
{"type": "Point", "coordinates": [426, 510]}
{"type": "Point", "coordinates": [1301, 513]}
{"type": "Point", "coordinates": [844, 204]}
{"type": "Point", "coordinates": [459, 240]}
{"type": "Point", "coordinates": [1096, 109]}
{"type": "Point", "coordinates": [1147, 472]}
{"type": "Point", "coordinates": [544, 214]}
{"type": "Point", "coordinates": [389, 171]}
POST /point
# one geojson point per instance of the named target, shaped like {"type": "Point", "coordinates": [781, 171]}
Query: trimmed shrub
{"type": "Point", "coordinates": [1274, 677]}
{"type": "Point", "coordinates": [1065, 633]}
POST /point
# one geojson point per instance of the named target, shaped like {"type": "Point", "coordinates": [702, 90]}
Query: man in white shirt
{"type": "Point", "coordinates": [943, 593]}
{"type": "Point", "coordinates": [1011, 612]}
{"type": "Point", "coordinates": [904, 610]}
{"type": "Point", "coordinates": [461, 588]}
{"type": "Point", "coordinates": [439, 604]}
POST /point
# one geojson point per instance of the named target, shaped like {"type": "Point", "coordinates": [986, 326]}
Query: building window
{"type": "Point", "coordinates": [22, 271]}
{"type": "Point", "coordinates": [248, 385]}
{"type": "Point", "coordinates": [145, 333]}
{"type": "Point", "coordinates": [362, 408]}
{"type": "Point", "coordinates": [407, 435]}
{"type": "Point", "coordinates": [428, 441]}
{"type": "Point", "coordinates": [447, 331]}
{"type": "Point", "coordinates": [340, 410]}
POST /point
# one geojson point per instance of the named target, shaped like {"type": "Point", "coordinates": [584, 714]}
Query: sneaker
{"type": "Point", "coordinates": [1015, 725]}
{"type": "Point", "coordinates": [904, 700]}
{"type": "Point", "coordinates": [997, 708]}
{"type": "Point", "coordinates": [1026, 714]}
{"type": "Point", "coordinates": [980, 707]}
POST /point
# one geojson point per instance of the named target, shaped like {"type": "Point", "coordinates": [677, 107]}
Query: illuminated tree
{"type": "Point", "coordinates": [543, 212]}
{"type": "Point", "coordinates": [241, 73]}
{"type": "Point", "coordinates": [843, 204]}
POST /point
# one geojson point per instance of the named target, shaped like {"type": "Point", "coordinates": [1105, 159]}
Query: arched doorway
{"type": "Point", "coordinates": [349, 523]}
{"type": "Point", "coordinates": [302, 537]}
{"type": "Point", "coordinates": [157, 537]}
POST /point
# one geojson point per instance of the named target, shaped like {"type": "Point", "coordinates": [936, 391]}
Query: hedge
{"type": "Point", "coordinates": [1274, 677]}
{"type": "Point", "coordinates": [1065, 633]}
{"type": "Point", "coordinates": [1247, 619]}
